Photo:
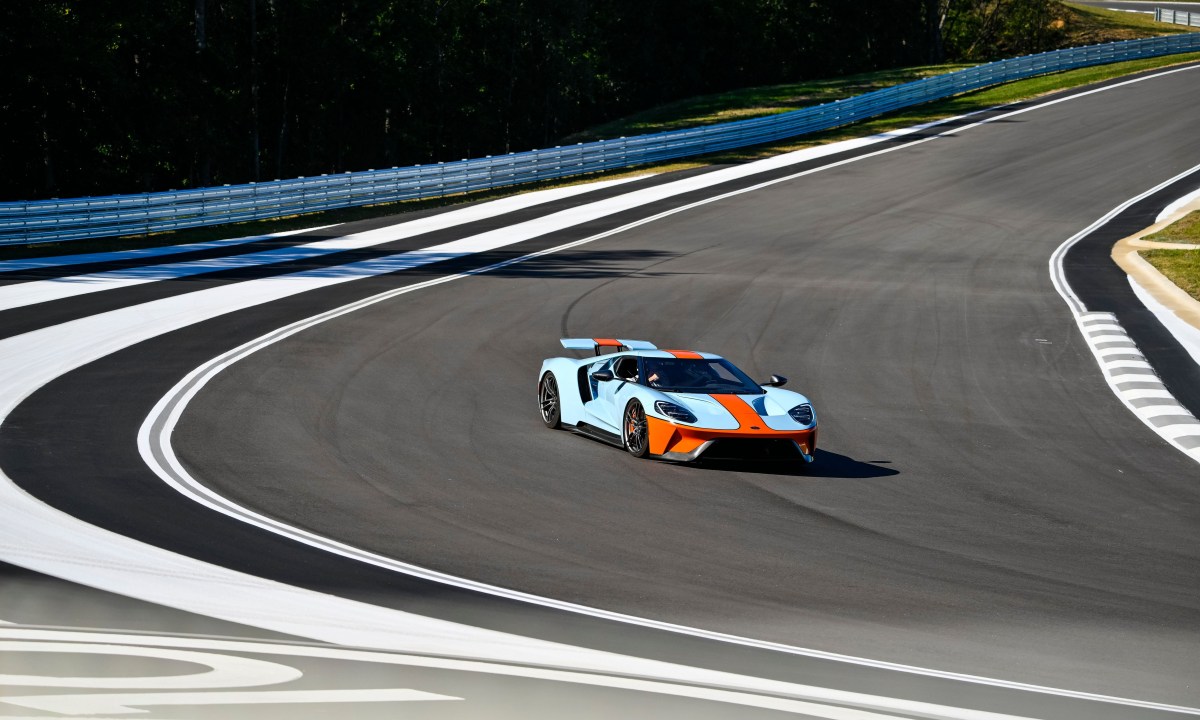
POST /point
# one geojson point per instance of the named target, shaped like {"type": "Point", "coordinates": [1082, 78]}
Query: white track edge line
{"type": "Point", "coordinates": [61, 261]}
{"type": "Point", "coordinates": [786, 697]}
{"type": "Point", "coordinates": [154, 439]}
{"type": "Point", "coordinates": [1086, 322]}
{"type": "Point", "coordinates": [201, 375]}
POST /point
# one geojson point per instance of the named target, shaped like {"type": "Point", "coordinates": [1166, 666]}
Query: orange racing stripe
{"type": "Point", "coordinates": [607, 342]}
{"type": "Point", "coordinates": [685, 354]}
{"type": "Point", "coordinates": [741, 411]}
{"type": "Point", "coordinates": [666, 436]}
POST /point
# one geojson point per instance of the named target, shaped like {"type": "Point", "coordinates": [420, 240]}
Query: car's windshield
{"type": "Point", "coordinates": [700, 376]}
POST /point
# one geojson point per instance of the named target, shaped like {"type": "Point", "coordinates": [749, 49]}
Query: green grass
{"type": "Point", "coordinates": [1086, 25]}
{"type": "Point", "coordinates": [1081, 24]}
{"type": "Point", "coordinates": [958, 105]}
{"type": "Point", "coordinates": [1184, 230]}
{"type": "Point", "coordinates": [1181, 267]}
{"type": "Point", "coordinates": [755, 102]}
{"type": "Point", "coordinates": [767, 101]}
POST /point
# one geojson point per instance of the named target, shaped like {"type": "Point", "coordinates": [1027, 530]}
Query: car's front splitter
{"type": "Point", "coordinates": [683, 443]}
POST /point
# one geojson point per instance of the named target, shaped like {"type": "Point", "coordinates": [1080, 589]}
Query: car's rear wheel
{"type": "Point", "coordinates": [548, 401]}
{"type": "Point", "coordinates": [635, 430]}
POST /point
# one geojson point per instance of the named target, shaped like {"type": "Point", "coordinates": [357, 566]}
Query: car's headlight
{"type": "Point", "coordinates": [802, 414]}
{"type": "Point", "coordinates": [674, 411]}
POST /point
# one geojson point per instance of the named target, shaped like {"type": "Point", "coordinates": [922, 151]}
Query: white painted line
{"type": "Point", "coordinates": [224, 671]}
{"type": "Point", "coordinates": [1118, 372]}
{"type": "Point", "coordinates": [1174, 432]}
{"type": "Point", "coordinates": [1108, 336]}
{"type": "Point", "coordinates": [1113, 352]}
{"type": "Point", "coordinates": [1057, 276]}
{"type": "Point", "coordinates": [1170, 209]}
{"type": "Point", "coordinates": [100, 257]}
{"type": "Point", "coordinates": [1154, 411]}
{"type": "Point", "coordinates": [1112, 365]}
{"type": "Point", "coordinates": [154, 444]}
{"type": "Point", "coordinates": [39, 291]}
{"type": "Point", "coordinates": [1126, 377]}
{"type": "Point", "coordinates": [127, 703]}
{"type": "Point", "coordinates": [1140, 394]}
{"type": "Point", "coordinates": [34, 535]}
{"type": "Point", "coordinates": [1185, 333]}
{"type": "Point", "coordinates": [37, 536]}
{"type": "Point", "coordinates": [1188, 336]}
{"type": "Point", "coordinates": [787, 697]}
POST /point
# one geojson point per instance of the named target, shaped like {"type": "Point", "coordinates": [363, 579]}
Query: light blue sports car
{"type": "Point", "coordinates": [673, 404]}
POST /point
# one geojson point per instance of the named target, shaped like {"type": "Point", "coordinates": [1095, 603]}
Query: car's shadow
{"type": "Point", "coordinates": [825, 465]}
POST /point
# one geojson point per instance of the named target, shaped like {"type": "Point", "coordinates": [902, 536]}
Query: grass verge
{"type": "Point", "coordinates": [1183, 230]}
{"type": "Point", "coordinates": [768, 102]}
{"type": "Point", "coordinates": [755, 102]}
{"type": "Point", "coordinates": [1181, 267]}
{"type": "Point", "coordinates": [1088, 25]}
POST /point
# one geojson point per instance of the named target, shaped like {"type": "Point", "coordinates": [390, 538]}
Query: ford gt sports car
{"type": "Point", "coordinates": [673, 404]}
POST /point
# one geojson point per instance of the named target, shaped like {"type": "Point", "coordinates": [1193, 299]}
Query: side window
{"type": "Point", "coordinates": [596, 367]}
{"type": "Point", "coordinates": [627, 368]}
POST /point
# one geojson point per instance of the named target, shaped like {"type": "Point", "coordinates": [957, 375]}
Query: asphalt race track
{"type": "Point", "coordinates": [982, 503]}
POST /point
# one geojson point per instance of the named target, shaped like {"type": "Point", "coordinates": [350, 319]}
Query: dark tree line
{"type": "Point", "coordinates": [115, 96]}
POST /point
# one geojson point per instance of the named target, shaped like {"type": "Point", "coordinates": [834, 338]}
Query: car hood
{"type": "Point", "coordinates": [711, 412]}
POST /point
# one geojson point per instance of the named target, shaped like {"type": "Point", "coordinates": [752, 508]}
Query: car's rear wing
{"type": "Point", "coordinates": [594, 344]}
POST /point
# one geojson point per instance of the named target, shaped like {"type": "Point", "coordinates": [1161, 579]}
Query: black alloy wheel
{"type": "Point", "coordinates": [635, 430]}
{"type": "Point", "coordinates": [548, 401]}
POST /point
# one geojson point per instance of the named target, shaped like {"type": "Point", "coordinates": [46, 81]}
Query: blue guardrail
{"type": "Point", "coordinates": [92, 217]}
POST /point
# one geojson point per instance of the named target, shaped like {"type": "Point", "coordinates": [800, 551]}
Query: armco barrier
{"type": "Point", "coordinates": [90, 217]}
{"type": "Point", "coordinates": [1177, 17]}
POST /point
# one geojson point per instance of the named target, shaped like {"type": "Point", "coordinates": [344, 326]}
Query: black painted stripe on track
{"type": "Point", "coordinates": [334, 231]}
{"type": "Point", "coordinates": [15, 321]}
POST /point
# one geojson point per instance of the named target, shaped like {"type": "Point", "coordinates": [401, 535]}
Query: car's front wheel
{"type": "Point", "coordinates": [635, 430]}
{"type": "Point", "coordinates": [548, 401]}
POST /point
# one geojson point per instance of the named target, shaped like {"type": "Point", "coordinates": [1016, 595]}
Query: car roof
{"type": "Point", "coordinates": [680, 354]}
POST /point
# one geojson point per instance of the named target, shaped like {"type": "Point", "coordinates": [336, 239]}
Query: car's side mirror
{"type": "Point", "coordinates": [775, 381]}
{"type": "Point", "coordinates": [602, 375]}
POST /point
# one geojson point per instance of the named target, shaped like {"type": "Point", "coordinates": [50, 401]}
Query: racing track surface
{"type": "Point", "coordinates": [982, 502]}
{"type": "Point", "coordinates": [1021, 522]}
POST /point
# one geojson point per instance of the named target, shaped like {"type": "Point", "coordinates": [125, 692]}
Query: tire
{"type": "Point", "coordinates": [549, 401]}
{"type": "Point", "coordinates": [635, 430]}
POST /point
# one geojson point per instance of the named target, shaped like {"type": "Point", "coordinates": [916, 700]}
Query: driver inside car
{"type": "Point", "coordinates": [660, 377]}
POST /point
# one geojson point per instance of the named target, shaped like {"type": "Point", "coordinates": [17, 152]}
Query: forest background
{"type": "Point", "coordinates": [118, 96]}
